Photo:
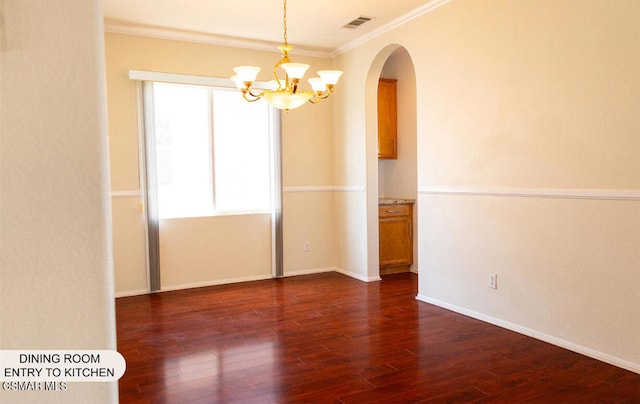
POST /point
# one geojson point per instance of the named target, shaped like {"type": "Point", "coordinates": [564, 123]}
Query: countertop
{"type": "Point", "coordinates": [394, 201]}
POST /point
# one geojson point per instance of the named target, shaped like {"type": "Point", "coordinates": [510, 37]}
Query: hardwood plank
{"type": "Point", "coordinates": [330, 338]}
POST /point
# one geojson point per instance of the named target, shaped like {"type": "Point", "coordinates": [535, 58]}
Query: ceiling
{"type": "Point", "coordinates": [312, 25]}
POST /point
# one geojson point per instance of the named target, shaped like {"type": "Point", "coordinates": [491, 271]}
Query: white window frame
{"type": "Point", "coordinates": [150, 207]}
{"type": "Point", "coordinates": [172, 78]}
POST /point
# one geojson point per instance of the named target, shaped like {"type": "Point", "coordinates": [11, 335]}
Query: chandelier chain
{"type": "Point", "coordinates": [284, 6]}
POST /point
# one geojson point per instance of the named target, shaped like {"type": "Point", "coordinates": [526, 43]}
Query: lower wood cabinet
{"type": "Point", "coordinates": [395, 237]}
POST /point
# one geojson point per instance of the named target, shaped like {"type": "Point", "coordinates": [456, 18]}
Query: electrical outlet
{"type": "Point", "coordinates": [493, 281]}
{"type": "Point", "coordinates": [307, 246]}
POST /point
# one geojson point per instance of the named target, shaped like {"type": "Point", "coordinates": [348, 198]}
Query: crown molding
{"type": "Point", "coordinates": [207, 39]}
{"type": "Point", "coordinates": [118, 27]}
{"type": "Point", "coordinates": [424, 9]}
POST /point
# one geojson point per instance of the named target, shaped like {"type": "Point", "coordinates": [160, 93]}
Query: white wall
{"type": "Point", "coordinates": [522, 98]}
{"type": "Point", "coordinates": [56, 284]}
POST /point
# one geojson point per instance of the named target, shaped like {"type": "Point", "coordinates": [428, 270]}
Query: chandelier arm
{"type": "Point", "coordinates": [284, 59]}
{"type": "Point", "coordinates": [284, 48]}
{"type": "Point", "coordinates": [256, 97]}
{"type": "Point", "coordinates": [250, 99]}
{"type": "Point", "coordinates": [324, 94]}
{"type": "Point", "coordinates": [319, 97]}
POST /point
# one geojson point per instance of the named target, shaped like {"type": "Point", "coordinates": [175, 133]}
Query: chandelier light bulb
{"type": "Point", "coordinates": [247, 74]}
{"type": "Point", "coordinates": [317, 84]}
{"type": "Point", "coordinates": [236, 80]}
{"type": "Point", "coordinates": [330, 76]}
{"type": "Point", "coordinates": [295, 70]}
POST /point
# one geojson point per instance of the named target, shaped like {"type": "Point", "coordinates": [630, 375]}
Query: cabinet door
{"type": "Point", "coordinates": [395, 241]}
{"type": "Point", "coordinates": [387, 120]}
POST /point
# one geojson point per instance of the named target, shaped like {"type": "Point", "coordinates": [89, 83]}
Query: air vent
{"type": "Point", "coordinates": [357, 22]}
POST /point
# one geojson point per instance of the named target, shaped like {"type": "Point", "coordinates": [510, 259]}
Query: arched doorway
{"type": "Point", "coordinates": [391, 178]}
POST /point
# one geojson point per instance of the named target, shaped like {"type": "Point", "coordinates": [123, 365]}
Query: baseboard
{"type": "Point", "coordinates": [358, 276]}
{"type": "Point", "coordinates": [128, 293]}
{"type": "Point", "coordinates": [613, 360]}
{"type": "Point", "coordinates": [216, 282]}
{"type": "Point", "coordinates": [309, 271]}
{"type": "Point", "coordinates": [194, 285]}
{"type": "Point", "coordinates": [333, 269]}
{"type": "Point", "coordinates": [225, 281]}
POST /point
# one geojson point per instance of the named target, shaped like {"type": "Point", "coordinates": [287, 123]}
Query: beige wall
{"type": "Point", "coordinates": [196, 251]}
{"type": "Point", "coordinates": [302, 211]}
{"type": "Point", "coordinates": [530, 98]}
{"type": "Point", "coordinates": [307, 171]}
{"type": "Point", "coordinates": [530, 94]}
{"type": "Point", "coordinates": [56, 284]}
{"type": "Point", "coordinates": [307, 166]}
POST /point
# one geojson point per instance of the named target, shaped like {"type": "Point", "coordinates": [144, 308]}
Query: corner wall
{"type": "Point", "coordinates": [56, 274]}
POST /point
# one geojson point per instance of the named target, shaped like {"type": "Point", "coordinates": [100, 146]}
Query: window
{"type": "Point", "coordinates": [212, 150]}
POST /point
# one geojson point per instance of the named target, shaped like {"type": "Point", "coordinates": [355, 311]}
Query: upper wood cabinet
{"type": "Point", "coordinates": [387, 119]}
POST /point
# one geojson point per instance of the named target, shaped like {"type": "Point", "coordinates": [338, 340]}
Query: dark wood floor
{"type": "Point", "coordinates": [330, 338]}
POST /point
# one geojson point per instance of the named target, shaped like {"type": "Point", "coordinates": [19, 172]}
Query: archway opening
{"type": "Point", "coordinates": [392, 180]}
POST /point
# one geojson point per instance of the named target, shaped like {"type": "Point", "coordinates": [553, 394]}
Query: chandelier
{"type": "Point", "coordinates": [283, 93]}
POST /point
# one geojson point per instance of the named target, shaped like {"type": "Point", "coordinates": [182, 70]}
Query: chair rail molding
{"type": "Point", "coordinates": [325, 188]}
{"type": "Point", "coordinates": [559, 193]}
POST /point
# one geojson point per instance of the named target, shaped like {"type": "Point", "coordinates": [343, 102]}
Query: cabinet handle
{"type": "Point", "coordinates": [410, 229]}
{"type": "Point", "coordinates": [394, 211]}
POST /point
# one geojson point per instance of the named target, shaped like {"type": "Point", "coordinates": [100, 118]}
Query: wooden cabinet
{"type": "Point", "coordinates": [395, 237]}
{"type": "Point", "coordinates": [387, 119]}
